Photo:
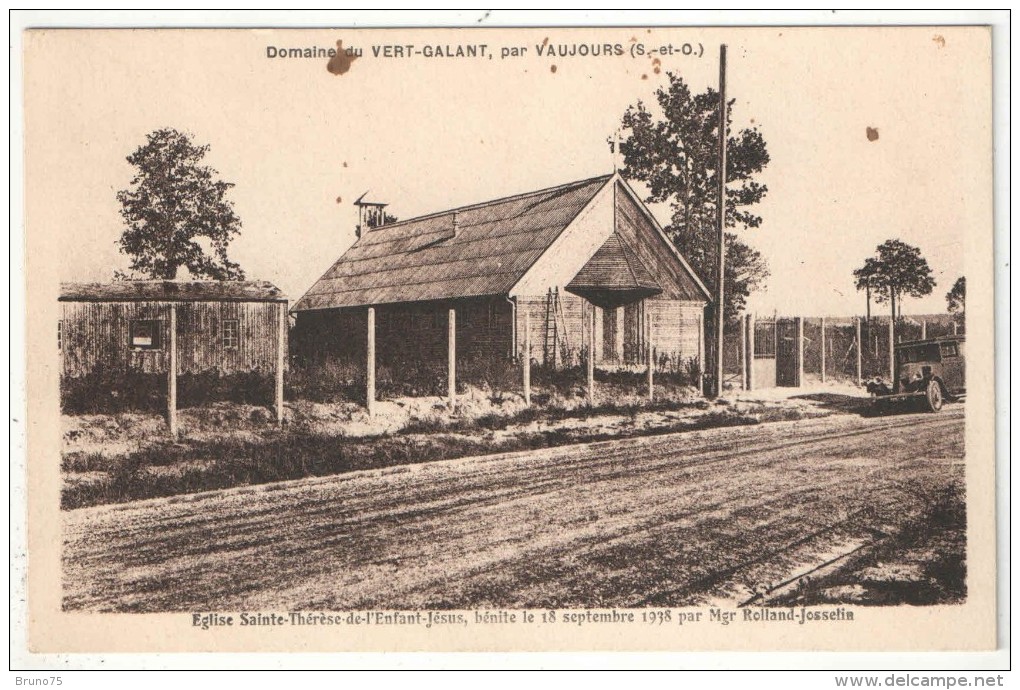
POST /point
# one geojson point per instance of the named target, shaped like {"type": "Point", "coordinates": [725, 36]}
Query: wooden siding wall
{"type": "Point", "coordinates": [674, 324]}
{"type": "Point", "coordinates": [407, 332]}
{"type": "Point", "coordinates": [96, 337]}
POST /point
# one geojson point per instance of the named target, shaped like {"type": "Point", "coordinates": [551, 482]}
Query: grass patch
{"type": "Point", "coordinates": [167, 469]}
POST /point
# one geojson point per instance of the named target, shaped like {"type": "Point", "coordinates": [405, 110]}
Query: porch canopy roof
{"type": "Point", "coordinates": [614, 276]}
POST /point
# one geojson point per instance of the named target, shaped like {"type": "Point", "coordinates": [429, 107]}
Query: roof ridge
{"type": "Point", "coordinates": [523, 195]}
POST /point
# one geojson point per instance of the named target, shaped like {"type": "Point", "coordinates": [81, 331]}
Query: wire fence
{"type": "Point", "coordinates": [830, 344]}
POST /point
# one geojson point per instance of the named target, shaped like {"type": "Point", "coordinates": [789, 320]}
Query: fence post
{"type": "Point", "coordinates": [743, 353]}
{"type": "Point", "coordinates": [651, 361]}
{"type": "Point", "coordinates": [701, 353]}
{"type": "Point", "coordinates": [370, 363]}
{"type": "Point", "coordinates": [750, 352]}
{"type": "Point", "coordinates": [857, 342]}
{"type": "Point", "coordinates": [171, 388]}
{"type": "Point", "coordinates": [591, 358]}
{"type": "Point", "coordinates": [823, 349]}
{"type": "Point", "coordinates": [451, 357]}
{"type": "Point", "coordinates": [892, 356]}
{"type": "Point", "coordinates": [281, 345]}
{"type": "Point", "coordinates": [924, 329]}
{"type": "Point", "coordinates": [526, 364]}
{"type": "Point", "coordinates": [800, 351]}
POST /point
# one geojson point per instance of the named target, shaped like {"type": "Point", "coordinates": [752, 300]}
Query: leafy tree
{"type": "Point", "coordinates": [956, 298]}
{"type": "Point", "coordinates": [674, 151]}
{"type": "Point", "coordinates": [897, 271]}
{"type": "Point", "coordinates": [174, 201]}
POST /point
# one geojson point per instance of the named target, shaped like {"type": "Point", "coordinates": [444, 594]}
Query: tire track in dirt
{"type": "Point", "coordinates": [400, 534]}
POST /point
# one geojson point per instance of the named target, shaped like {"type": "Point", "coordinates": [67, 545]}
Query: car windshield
{"type": "Point", "coordinates": [918, 353]}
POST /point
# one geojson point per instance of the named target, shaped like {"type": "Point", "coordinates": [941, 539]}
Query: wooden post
{"type": "Point", "coordinates": [591, 359]}
{"type": "Point", "coordinates": [743, 353]}
{"type": "Point", "coordinates": [370, 363]}
{"type": "Point", "coordinates": [618, 333]}
{"type": "Point", "coordinates": [750, 352]}
{"type": "Point", "coordinates": [823, 349]}
{"type": "Point", "coordinates": [892, 356]}
{"type": "Point", "coordinates": [956, 327]}
{"type": "Point", "coordinates": [857, 342]}
{"type": "Point", "coordinates": [721, 226]}
{"type": "Point", "coordinates": [701, 352]}
{"type": "Point", "coordinates": [281, 348]}
{"type": "Point", "coordinates": [800, 351]}
{"type": "Point", "coordinates": [526, 363]}
{"type": "Point", "coordinates": [651, 361]}
{"type": "Point", "coordinates": [451, 359]}
{"type": "Point", "coordinates": [924, 329]}
{"type": "Point", "coordinates": [171, 368]}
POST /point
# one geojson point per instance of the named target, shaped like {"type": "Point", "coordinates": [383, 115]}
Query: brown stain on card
{"type": "Point", "coordinates": [341, 62]}
{"type": "Point", "coordinates": [872, 133]}
{"type": "Point", "coordinates": [552, 69]}
{"type": "Point", "coordinates": [939, 40]}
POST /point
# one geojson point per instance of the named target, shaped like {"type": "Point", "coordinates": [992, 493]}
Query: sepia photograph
{"type": "Point", "coordinates": [510, 339]}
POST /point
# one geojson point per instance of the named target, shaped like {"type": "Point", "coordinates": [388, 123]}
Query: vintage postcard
{"type": "Point", "coordinates": [493, 339]}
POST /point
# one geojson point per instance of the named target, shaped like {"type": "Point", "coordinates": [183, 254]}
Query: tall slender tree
{"type": "Point", "coordinates": [898, 270]}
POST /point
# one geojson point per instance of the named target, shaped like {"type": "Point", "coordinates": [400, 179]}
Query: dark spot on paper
{"type": "Point", "coordinates": [545, 41]}
{"type": "Point", "coordinates": [940, 40]}
{"type": "Point", "coordinates": [345, 164]}
{"type": "Point", "coordinates": [752, 120]}
{"type": "Point", "coordinates": [655, 65]}
{"type": "Point", "coordinates": [633, 39]}
{"type": "Point", "coordinates": [339, 200]}
{"type": "Point", "coordinates": [485, 16]}
{"type": "Point", "coordinates": [644, 76]}
{"type": "Point", "coordinates": [553, 69]}
{"type": "Point", "coordinates": [872, 133]}
{"type": "Point", "coordinates": [340, 64]}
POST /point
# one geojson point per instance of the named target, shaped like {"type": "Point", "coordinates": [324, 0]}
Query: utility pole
{"type": "Point", "coordinates": [721, 213]}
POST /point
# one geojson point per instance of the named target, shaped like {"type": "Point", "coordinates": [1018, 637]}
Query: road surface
{"type": "Point", "coordinates": [674, 520]}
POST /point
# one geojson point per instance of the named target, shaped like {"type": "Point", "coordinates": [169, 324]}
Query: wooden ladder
{"type": "Point", "coordinates": [555, 329]}
{"type": "Point", "coordinates": [549, 353]}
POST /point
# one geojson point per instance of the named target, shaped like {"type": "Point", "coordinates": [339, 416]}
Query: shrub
{"type": "Point", "coordinates": [112, 392]}
{"type": "Point", "coordinates": [325, 381]}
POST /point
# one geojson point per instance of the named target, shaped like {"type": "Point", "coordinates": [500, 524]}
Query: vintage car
{"type": "Point", "coordinates": [928, 370]}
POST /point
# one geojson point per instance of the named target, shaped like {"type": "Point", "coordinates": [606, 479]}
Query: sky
{"type": "Point", "coordinates": [426, 134]}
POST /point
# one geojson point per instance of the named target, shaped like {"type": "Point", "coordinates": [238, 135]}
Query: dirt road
{"type": "Point", "coordinates": [667, 520]}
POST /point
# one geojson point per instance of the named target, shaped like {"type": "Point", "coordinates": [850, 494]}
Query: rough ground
{"type": "Point", "coordinates": [672, 520]}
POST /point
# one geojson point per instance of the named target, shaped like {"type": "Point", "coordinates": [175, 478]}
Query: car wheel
{"type": "Point", "coordinates": [934, 396]}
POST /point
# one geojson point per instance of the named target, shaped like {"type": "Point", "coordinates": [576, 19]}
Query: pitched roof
{"type": "Point", "coordinates": [614, 267]}
{"type": "Point", "coordinates": [172, 291]}
{"type": "Point", "coordinates": [427, 258]}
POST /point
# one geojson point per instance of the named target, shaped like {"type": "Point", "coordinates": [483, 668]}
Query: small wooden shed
{"type": "Point", "coordinates": [173, 327]}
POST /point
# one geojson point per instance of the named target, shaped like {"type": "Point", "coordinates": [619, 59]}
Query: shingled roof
{"type": "Point", "coordinates": [470, 251]}
{"type": "Point", "coordinates": [172, 291]}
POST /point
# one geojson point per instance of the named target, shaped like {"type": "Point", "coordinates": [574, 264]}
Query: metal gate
{"type": "Point", "coordinates": [788, 352]}
{"type": "Point", "coordinates": [763, 369]}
